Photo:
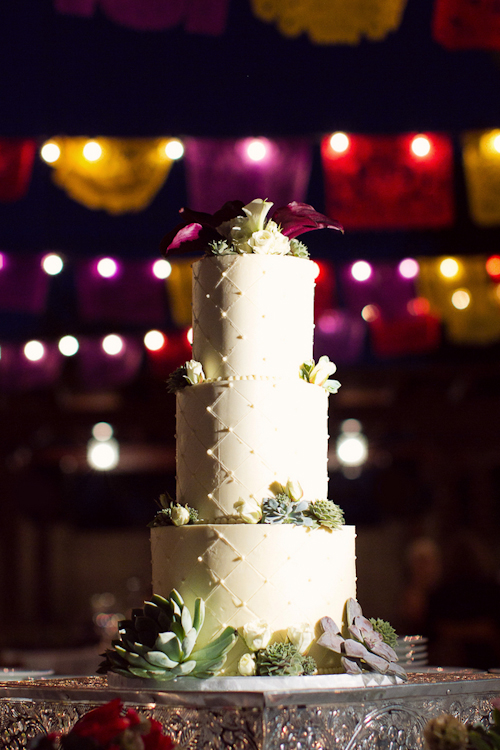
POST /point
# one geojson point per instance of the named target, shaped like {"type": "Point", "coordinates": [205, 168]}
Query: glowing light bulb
{"type": "Point", "coordinates": [420, 145]}
{"type": "Point", "coordinates": [339, 142]}
{"type": "Point", "coordinates": [370, 313]}
{"type": "Point", "coordinates": [107, 267]}
{"type": "Point", "coordinates": [493, 266]}
{"type": "Point", "coordinates": [496, 143]}
{"type": "Point", "coordinates": [102, 431]}
{"type": "Point", "coordinates": [104, 455]}
{"type": "Point", "coordinates": [449, 268]}
{"type": "Point", "coordinates": [154, 340]}
{"type": "Point", "coordinates": [409, 268]}
{"type": "Point", "coordinates": [361, 270]}
{"type": "Point", "coordinates": [92, 151]}
{"type": "Point", "coordinates": [68, 345]}
{"type": "Point", "coordinates": [174, 149]}
{"type": "Point", "coordinates": [162, 269]}
{"type": "Point", "coordinates": [52, 264]}
{"type": "Point", "coordinates": [256, 150]}
{"type": "Point", "coordinates": [352, 449]}
{"type": "Point", "coordinates": [34, 351]}
{"type": "Point", "coordinates": [112, 344]}
{"type": "Point", "coordinates": [461, 299]}
{"type": "Point", "coordinates": [50, 152]}
{"type": "Point", "coordinates": [189, 336]}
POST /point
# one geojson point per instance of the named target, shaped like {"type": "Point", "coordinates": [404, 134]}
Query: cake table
{"type": "Point", "coordinates": [375, 716]}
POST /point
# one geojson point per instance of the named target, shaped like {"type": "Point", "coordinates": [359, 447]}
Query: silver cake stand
{"type": "Point", "coordinates": [316, 713]}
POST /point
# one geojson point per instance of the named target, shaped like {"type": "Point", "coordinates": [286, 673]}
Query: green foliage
{"type": "Point", "coordinates": [327, 513]}
{"type": "Point", "coordinates": [445, 733]}
{"type": "Point", "coordinates": [177, 380]}
{"type": "Point", "coordinates": [298, 248]}
{"type": "Point", "coordinates": [158, 642]}
{"type": "Point", "coordinates": [222, 247]}
{"type": "Point", "coordinates": [282, 509]}
{"type": "Point", "coordinates": [386, 630]}
{"type": "Point", "coordinates": [283, 659]}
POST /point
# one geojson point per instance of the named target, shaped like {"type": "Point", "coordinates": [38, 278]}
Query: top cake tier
{"type": "Point", "coordinates": [253, 315]}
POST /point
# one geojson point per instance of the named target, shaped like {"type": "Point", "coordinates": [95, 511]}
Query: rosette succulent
{"type": "Point", "coordinates": [158, 642]}
{"type": "Point", "coordinates": [364, 650]}
{"type": "Point", "coordinates": [386, 630]}
{"type": "Point", "coordinates": [283, 659]}
{"type": "Point", "coordinates": [246, 229]}
{"type": "Point", "coordinates": [327, 513]}
{"type": "Point", "coordinates": [282, 509]}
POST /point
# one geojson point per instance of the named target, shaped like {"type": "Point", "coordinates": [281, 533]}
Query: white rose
{"type": "Point", "coordinates": [248, 510]}
{"type": "Point", "coordinates": [294, 490]}
{"type": "Point", "coordinates": [256, 635]}
{"type": "Point", "coordinates": [179, 515]}
{"type": "Point", "coordinates": [194, 372]}
{"type": "Point", "coordinates": [247, 665]}
{"type": "Point", "coordinates": [322, 371]}
{"type": "Point", "coordinates": [256, 212]}
{"type": "Point", "coordinates": [301, 636]}
{"type": "Point", "coordinates": [266, 242]}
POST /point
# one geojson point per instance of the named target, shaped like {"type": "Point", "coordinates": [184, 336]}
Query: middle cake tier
{"type": "Point", "coordinates": [235, 438]}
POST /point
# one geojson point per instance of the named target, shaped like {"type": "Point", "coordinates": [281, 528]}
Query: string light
{"type": "Point", "coordinates": [34, 351]}
{"type": "Point", "coordinates": [409, 268]}
{"type": "Point", "coordinates": [449, 268]}
{"type": "Point", "coordinates": [421, 145]}
{"type": "Point", "coordinates": [52, 264]}
{"type": "Point", "coordinates": [154, 340]}
{"type": "Point", "coordinates": [68, 346]}
{"type": "Point", "coordinates": [257, 150]}
{"type": "Point", "coordinates": [174, 149]}
{"type": "Point", "coordinates": [112, 344]}
{"type": "Point", "coordinates": [107, 267]}
{"type": "Point", "coordinates": [92, 151]}
{"type": "Point", "coordinates": [461, 299]}
{"type": "Point", "coordinates": [50, 152]}
{"type": "Point", "coordinates": [162, 269]}
{"type": "Point", "coordinates": [339, 142]}
{"type": "Point", "coordinates": [361, 270]}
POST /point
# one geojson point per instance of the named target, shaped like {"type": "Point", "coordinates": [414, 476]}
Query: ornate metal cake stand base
{"type": "Point", "coordinates": [379, 718]}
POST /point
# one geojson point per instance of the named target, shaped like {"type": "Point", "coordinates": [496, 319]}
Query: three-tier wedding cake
{"type": "Point", "coordinates": [267, 549]}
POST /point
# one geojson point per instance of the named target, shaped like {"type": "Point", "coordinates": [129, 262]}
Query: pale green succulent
{"type": "Point", "coordinates": [283, 659]}
{"type": "Point", "coordinates": [158, 642]}
{"type": "Point", "coordinates": [298, 248]}
{"type": "Point", "coordinates": [327, 513]}
{"type": "Point", "coordinates": [282, 509]}
{"type": "Point", "coordinates": [222, 247]}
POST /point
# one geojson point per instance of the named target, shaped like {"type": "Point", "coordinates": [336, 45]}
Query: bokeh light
{"type": "Point", "coordinates": [34, 351]}
{"type": "Point", "coordinates": [361, 270]}
{"type": "Point", "coordinates": [162, 269]}
{"type": "Point", "coordinates": [493, 266]}
{"type": "Point", "coordinates": [174, 149]}
{"type": "Point", "coordinates": [409, 268]}
{"type": "Point", "coordinates": [256, 150]}
{"type": "Point", "coordinates": [339, 142]}
{"type": "Point", "coordinates": [68, 345]}
{"type": "Point", "coordinates": [189, 336]}
{"type": "Point", "coordinates": [154, 340]}
{"type": "Point", "coordinates": [112, 344]}
{"type": "Point", "coordinates": [92, 151]}
{"type": "Point", "coordinates": [104, 455]}
{"type": "Point", "coordinates": [421, 145]}
{"type": "Point", "coordinates": [102, 431]}
{"type": "Point", "coordinates": [461, 299]}
{"type": "Point", "coordinates": [52, 264]}
{"type": "Point", "coordinates": [449, 268]}
{"type": "Point", "coordinates": [370, 313]}
{"type": "Point", "coordinates": [418, 306]}
{"type": "Point", "coordinates": [107, 267]}
{"type": "Point", "coordinates": [50, 152]}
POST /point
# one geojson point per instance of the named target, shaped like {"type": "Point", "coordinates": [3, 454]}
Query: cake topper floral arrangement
{"type": "Point", "coordinates": [239, 229]}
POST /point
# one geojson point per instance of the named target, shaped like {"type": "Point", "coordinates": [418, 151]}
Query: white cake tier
{"type": "Point", "coordinates": [282, 574]}
{"type": "Point", "coordinates": [253, 314]}
{"type": "Point", "coordinates": [236, 438]}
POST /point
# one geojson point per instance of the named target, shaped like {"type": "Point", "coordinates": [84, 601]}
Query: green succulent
{"type": "Point", "coordinates": [282, 509]}
{"type": "Point", "coordinates": [283, 659]}
{"type": "Point", "coordinates": [222, 247]}
{"type": "Point", "coordinates": [445, 733]}
{"type": "Point", "coordinates": [298, 248]}
{"type": "Point", "coordinates": [386, 630]}
{"type": "Point", "coordinates": [327, 513]}
{"type": "Point", "coordinates": [158, 642]}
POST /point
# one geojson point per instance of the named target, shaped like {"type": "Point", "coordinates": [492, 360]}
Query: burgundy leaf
{"type": "Point", "coordinates": [376, 663]}
{"type": "Point", "coordinates": [385, 651]}
{"type": "Point", "coordinates": [353, 610]}
{"type": "Point", "coordinates": [398, 670]}
{"type": "Point", "coordinates": [187, 238]}
{"type": "Point", "coordinates": [229, 210]}
{"type": "Point", "coordinates": [350, 666]}
{"type": "Point", "coordinates": [297, 218]}
{"type": "Point", "coordinates": [355, 649]}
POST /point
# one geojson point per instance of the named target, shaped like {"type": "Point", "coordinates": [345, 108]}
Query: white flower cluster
{"type": "Point", "coordinates": [252, 234]}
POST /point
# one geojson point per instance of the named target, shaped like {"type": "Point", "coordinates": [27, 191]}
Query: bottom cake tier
{"type": "Point", "coordinates": [279, 573]}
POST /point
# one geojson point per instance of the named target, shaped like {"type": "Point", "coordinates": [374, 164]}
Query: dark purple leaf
{"type": "Point", "coordinates": [350, 666]}
{"type": "Point", "coordinates": [376, 663]}
{"type": "Point", "coordinates": [297, 218]}
{"type": "Point", "coordinates": [229, 210]}
{"type": "Point", "coordinates": [353, 610]}
{"type": "Point", "coordinates": [385, 651]}
{"type": "Point", "coordinates": [398, 670]}
{"type": "Point", "coordinates": [188, 238]}
{"type": "Point", "coordinates": [355, 649]}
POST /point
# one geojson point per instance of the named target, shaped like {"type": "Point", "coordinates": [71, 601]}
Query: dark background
{"type": "Point", "coordinates": [432, 421]}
